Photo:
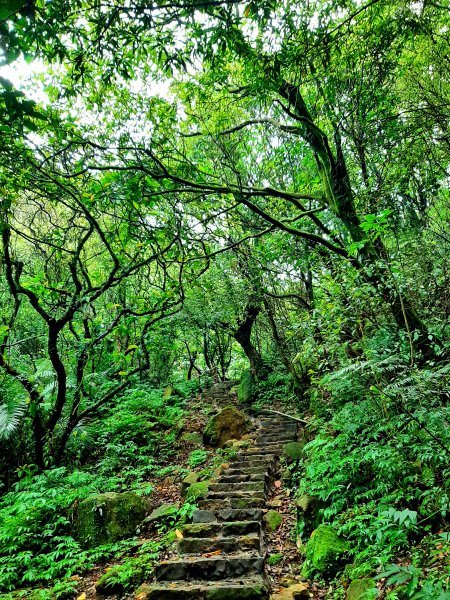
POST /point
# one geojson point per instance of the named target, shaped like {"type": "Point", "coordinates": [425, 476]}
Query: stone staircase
{"type": "Point", "coordinates": [222, 553]}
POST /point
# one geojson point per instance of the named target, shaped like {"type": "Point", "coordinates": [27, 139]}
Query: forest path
{"type": "Point", "coordinates": [222, 553]}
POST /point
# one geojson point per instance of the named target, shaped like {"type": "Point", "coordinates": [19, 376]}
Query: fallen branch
{"type": "Point", "coordinates": [277, 412]}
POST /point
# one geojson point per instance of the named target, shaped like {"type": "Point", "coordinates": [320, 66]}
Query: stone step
{"type": "Point", "coordinates": [224, 503]}
{"type": "Point", "coordinates": [224, 528]}
{"type": "Point", "coordinates": [243, 543]}
{"type": "Point", "coordinates": [241, 486]}
{"type": "Point", "coordinates": [273, 439]}
{"type": "Point", "coordinates": [252, 461]}
{"type": "Point", "coordinates": [248, 588]}
{"type": "Point", "coordinates": [258, 470]}
{"type": "Point", "coordinates": [228, 514]}
{"type": "Point", "coordinates": [235, 493]}
{"type": "Point", "coordinates": [273, 448]}
{"type": "Point", "coordinates": [243, 477]}
{"type": "Point", "coordinates": [267, 422]}
{"type": "Point", "coordinates": [262, 452]}
{"type": "Point", "coordinates": [277, 427]}
{"type": "Point", "coordinates": [210, 569]}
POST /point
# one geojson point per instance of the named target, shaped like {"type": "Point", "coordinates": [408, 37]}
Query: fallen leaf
{"type": "Point", "coordinates": [178, 534]}
{"type": "Point", "coordinates": [209, 554]}
{"type": "Point", "coordinates": [82, 596]}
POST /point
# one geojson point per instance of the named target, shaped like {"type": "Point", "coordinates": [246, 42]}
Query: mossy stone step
{"type": "Point", "coordinates": [241, 486]}
{"type": "Point", "coordinates": [228, 514]}
{"type": "Point", "coordinates": [271, 452]}
{"type": "Point", "coordinates": [236, 493]}
{"type": "Point", "coordinates": [247, 470]}
{"type": "Point", "coordinates": [258, 460]}
{"type": "Point", "coordinates": [264, 440]}
{"type": "Point", "coordinates": [242, 543]}
{"type": "Point", "coordinates": [249, 588]}
{"type": "Point", "coordinates": [243, 477]}
{"type": "Point", "coordinates": [225, 528]}
{"type": "Point", "coordinates": [210, 569]}
{"type": "Point", "coordinates": [233, 503]}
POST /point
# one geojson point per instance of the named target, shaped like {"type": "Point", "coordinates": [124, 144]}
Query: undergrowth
{"type": "Point", "coordinates": [379, 466]}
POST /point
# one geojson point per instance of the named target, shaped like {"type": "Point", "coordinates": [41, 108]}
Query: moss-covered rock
{"type": "Point", "coordinates": [286, 476]}
{"type": "Point", "coordinates": [189, 480]}
{"type": "Point", "coordinates": [143, 592]}
{"type": "Point", "coordinates": [326, 552]}
{"type": "Point", "coordinates": [162, 512]}
{"type": "Point", "coordinates": [308, 508]}
{"type": "Point", "coordinates": [362, 589]}
{"type": "Point", "coordinates": [293, 451]}
{"type": "Point", "coordinates": [274, 559]}
{"type": "Point", "coordinates": [106, 518]}
{"type": "Point", "coordinates": [197, 491]}
{"type": "Point", "coordinates": [272, 520]}
{"type": "Point", "coordinates": [246, 387]}
{"type": "Point", "coordinates": [228, 424]}
{"type": "Point", "coordinates": [192, 438]}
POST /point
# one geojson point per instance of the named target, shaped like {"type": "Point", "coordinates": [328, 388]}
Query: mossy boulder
{"type": "Point", "coordinates": [246, 389]}
{"type": "Point", "coordinates": [326, 552]}
{"type": "Point", "coordinates": [293, 451]}
{"type": "Point", "coordinates": [162, 512]}
{"type": "Point", "coordinates": [229, 424]}
{"type": "Point", "coordinates": [362, 589]}
{"type": "Point", "coordinates": [106, 518]}
{"type": "Point", "coordinates": [308, 508]}
{"type": "Point", "coordinates": [189, 480]}
{"type": "Point", "coordinates": [272, 520]}
{"type": "Point", "coordinates": [197, 491]}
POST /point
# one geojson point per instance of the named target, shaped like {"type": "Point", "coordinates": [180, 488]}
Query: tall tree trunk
{"type": "Point", "coordinates": [243, 336]}
{"type": "Point", "coordinates": [282, 347]}
{"type": "Point", "coordinates": [339, 198]}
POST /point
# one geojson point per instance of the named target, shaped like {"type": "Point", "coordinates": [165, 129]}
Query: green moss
{"type": "Point", "coordinates": [272, 520]}
{"type": "Point", "coordinates": [325, 552]}
{"type": "Point", "coordinates": [274, 559]}
{"type": "Point", "coordinates": [293, 451]}
{"type": "Point", "coordinates": [197, 490]}
{"type": "Point", "coordinates": [246, 387]}
{"type": "Point", "coordinates": [246, 593]}
{"type": "Point", "coordinates": [362, 589]}
{"type": "Point", "coordinates": [189, 480]}
{"type": "Point", "coordinates": [106, 518]}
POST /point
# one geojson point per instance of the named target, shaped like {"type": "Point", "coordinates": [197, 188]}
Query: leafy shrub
{"type": "Point", "coordinates": [35, 540]}
{"type": "Point", "coordinates": [380, 465]}
{"type": "Point", "coordinates": [197, 457]}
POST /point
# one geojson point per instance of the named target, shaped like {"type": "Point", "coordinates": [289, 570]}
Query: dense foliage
{"type": "Point", "coordinates": [192, 191]}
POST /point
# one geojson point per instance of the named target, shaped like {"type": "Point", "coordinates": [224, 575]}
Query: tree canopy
{"type": "Point", "coordinates": [194, 189]}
